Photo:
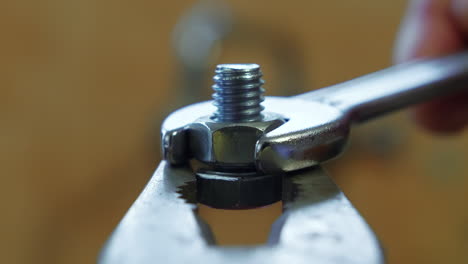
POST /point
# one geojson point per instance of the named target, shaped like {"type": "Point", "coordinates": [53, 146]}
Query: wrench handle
{"type": "Point", "coordinates": [396, 87]}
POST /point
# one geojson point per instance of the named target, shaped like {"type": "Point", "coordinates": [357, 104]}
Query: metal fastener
{"type": "Point", "coordinates": [238, 93]}
{"type": "Point", "coordinates": [226, 138]}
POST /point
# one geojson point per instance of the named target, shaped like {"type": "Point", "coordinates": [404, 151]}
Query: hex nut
{"type": "Point", "coordinates": [237, 190]}
{"type": "Point", "coordinates": [229, 144]}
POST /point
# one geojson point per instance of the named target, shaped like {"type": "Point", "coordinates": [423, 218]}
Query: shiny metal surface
{"type": "Point", "coordinates": [319, 225]}
{"type": "Point", "coordinates": [301, 144]}
{"type": "Point", "coordinates": [225, 138]}
{"type": "Point", "coordinates": [319, 121]}
{"type": "Point", "coordinates": [238, 93]}
{"type": "Point", "coordinates": [396, 87]}
{"type": "Point", "coordinates": [305, 140]}
{"type": "Point", "coordinates": [227, 145]}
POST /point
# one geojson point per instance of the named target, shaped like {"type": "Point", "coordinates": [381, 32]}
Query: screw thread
{"type": "Point", "coordinates": [238, 93]}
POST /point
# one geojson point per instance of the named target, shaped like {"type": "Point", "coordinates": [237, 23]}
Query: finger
{"type": "Point", "coordinates": [427, 31]}
{"type": "Point", "coordinates": [459, 9]}
{"type": "Point", "coordinates": [431, 29]}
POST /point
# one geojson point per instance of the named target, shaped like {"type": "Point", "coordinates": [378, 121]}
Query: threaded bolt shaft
{"type": "Point", "coordinates": [238, 93]}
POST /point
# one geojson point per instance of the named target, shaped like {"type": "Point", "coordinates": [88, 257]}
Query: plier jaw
{"type": "Point", "coordinates": [318, 225]}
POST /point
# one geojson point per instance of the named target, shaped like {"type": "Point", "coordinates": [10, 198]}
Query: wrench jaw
{"type": "Point", "coordinates": [282, 156]}
{"type": "Point", "coordinates": [316, 132]}
{"type": "Point", "coordinates": [185, 136]}
{"type": "Point", "coordinates": [175, 128]}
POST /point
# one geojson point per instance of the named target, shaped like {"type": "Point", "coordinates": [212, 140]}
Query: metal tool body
{"type": "Point", "coordinates": [319, 121]}
{"type": "Point", "coordinates": [318, 224]}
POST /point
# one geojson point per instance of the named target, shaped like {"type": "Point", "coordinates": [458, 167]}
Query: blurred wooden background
{"type": "Point", "coordinates": [84, 85]}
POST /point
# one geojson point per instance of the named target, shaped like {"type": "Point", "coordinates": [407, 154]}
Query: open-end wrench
{"type": "Point", "coordinates": [319, 121]}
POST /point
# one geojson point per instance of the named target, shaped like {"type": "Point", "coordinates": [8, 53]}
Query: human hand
{"type": "Point", "coordinates": [434, 28]}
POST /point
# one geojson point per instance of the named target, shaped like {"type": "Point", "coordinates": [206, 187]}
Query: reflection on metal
{"type": "Point", "coordinates": [325, 129]}
{"type": "Point", "coordinates": [319, 225]}
{"type": "Point", "coordinates": [238, 93]}
{"type": "Point", "coordinates": [296, 145]}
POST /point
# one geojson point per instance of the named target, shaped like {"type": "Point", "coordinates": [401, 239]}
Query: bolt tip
{"type": "Point", "coordinates": [238, 93]}
{"type": "Point", "coordinates": [237, 67]}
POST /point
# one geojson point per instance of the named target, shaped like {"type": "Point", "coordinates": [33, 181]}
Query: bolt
{"type": "Point", "coordinates": [225, 140]}
{"type": "Point", "coordinates": [238, 93]}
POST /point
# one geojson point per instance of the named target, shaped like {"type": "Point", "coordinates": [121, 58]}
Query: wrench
{"type": "Point", "coordinates": [319, 121]}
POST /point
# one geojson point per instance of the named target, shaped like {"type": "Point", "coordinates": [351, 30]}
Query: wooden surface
{"type": "Point", "coordinates": [84, 85]}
